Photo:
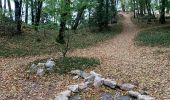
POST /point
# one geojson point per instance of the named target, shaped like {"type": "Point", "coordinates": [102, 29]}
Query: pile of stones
{"type": "Point", "coordinates": [41, 68]}
{"type": "Point", "coordinates": [96, 80]}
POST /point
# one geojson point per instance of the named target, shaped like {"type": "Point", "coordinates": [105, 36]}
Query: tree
{"type": "Point", "coordinates": [18, 7]}
{"type": "Point", "coordinates": [162, 13]}
{"type": "Point", "coordinates": [65, 10]}
{"type": "Point", "coordinates": [10, 11]}
{"type": "Point", "coordinates": [38, 11]}
{"type": "Point", "coordinates": [26, 11]}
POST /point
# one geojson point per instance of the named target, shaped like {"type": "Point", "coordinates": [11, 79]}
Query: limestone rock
{"type": "Point", "coordinates": [110, 83]}
{"type": "Point", "coordinates": [98, 81]}
{"type": "Point", "coordinates": [50, 64]}
{"type": "Point", "coordinates": [74, 88]}
{"type": "Point", "coordinates": [145, 97]}
{"type": "Point", "coordinates": [40, 72]}
{"type": "Point", "coordinates": [95, 74]}
{"type": "Point", "coordinates": [66, 93]}
{"type": "Point", "coordinates": [61, 97]}
{"type": "Point", "coordinates": [76, 72]}
{"type": "Point", "coordinates": [133, 94]}
{"type": "Point", "coordinates": [33, 68]}
{"type": "Point", "coordinates": [75, 77]}
{"type": "Point", "coordinates": [107, 96]}
{"type": "Point", "coordinates": [90, 79]}
{"type": "Point", "coordinates": [127, 87]}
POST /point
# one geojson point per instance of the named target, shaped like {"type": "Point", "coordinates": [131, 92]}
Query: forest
{"type": "Point", "coordinates": [84, 49]}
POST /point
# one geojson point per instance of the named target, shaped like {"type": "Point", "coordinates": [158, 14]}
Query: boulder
{"type": "Point", "coordinates": [40, 72]}
{"type": "Point", "coordinates": [75, 77]}
{"type": "Point", "coordinates": [95, 74]}
{"type": "Point", "coordinates": [145, 97]}
{"type": "Point", "coordinates": [127, 87]}
{"type": "Point", "coordinates": [76, 72]}
{"type": "Point", "coordinates": [83, 86]}
{"type": "Point", "coordinates": [90, 79]}
{"type": "Point", "coordinates": [41, 65]}
{"type": "Point", "coordinates": [133, 94]}
{"type": "Point", "coordinates": [98, 81]}
{"type": "Point", "coordinates": [61, 97]}
{"type": "Point", "coordinates": [74, 88]}
{"type": "Point", "coordinates": [33, 68]}
{"type": "Point", "coordinates": [50, 64]}
{"type": "Point", "coordinates": [107, 96]}
{"type": "Point", "coordinates": [66, 93]}
{"type": "Point", "coordinates": [84, 75]}
{"type": "Point", "coordinates": [110, 83]}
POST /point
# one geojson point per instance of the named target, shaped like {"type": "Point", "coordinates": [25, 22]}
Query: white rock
{"type": "Point", "coordinates": [145, 97]}
{"type": "Point", "coordinates": [133, 94]}
{"type": "Point", "coordinates": [98, 81]}
{"type": "Point", "coordinates": [75, 77]}
{"type": "Point", "coordinates": [61, 97]}
{"type": "Point", "coordinates": [40, 72]}
{"type": "Point", "coordinates": [90, 79]}
{"type": "Point", "coordinates": [41, 65]}
{"type": "Point", "coordinates": [66, 93]}
{"type": "Point", "coordinates": [110, 83]}
{"type": "Point", "coordinates": [127, 87]}
{"type": "Point", "coordinates": [95, 74]}
{"type": "Point", "coordinates": [84, 75]}
{"type": "Point", "coordinates": [33, 68]}
{"type": "Point", "coordinates": [74, 88]}
{"type": "Point", "coordinates": [83, 86]}
{"type": "Point", "coordinates": [76, 72]}
{"type": "Point", "coordinates": [50, 64]}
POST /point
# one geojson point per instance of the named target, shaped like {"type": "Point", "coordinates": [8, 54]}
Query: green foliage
{"type": "Point", "coordinates": [67, 64]}
{"type": "Point", "coordinates": [154, 37]}
{"type": "Point", "coordinates": [33, 43]}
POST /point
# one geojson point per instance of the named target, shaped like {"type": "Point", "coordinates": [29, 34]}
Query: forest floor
{"type": "Point", "coordinates": [121, 59]}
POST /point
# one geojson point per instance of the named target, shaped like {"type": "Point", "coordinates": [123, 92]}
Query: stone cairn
{"type": "Point", "coordinates": [96, 80]}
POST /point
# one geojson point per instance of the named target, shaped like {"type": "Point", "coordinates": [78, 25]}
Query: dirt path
{"type": "Point", "coordinates": [120, 59]}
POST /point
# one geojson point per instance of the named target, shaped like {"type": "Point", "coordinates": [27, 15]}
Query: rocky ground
{"type": "Point", "coordinates": [146, 67]}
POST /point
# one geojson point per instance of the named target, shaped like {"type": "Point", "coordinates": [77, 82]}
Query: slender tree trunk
{"type": "Point", "coordinates": [4, 7]}
{"type": "Point", "coordinates": [148, 6]}
{"type": "Point", "coordinates": [18, 7]}
{"type": "Point", "coordinates": [162, 14]}
{"type": "Point", "coordinates": [26, 12]}
{"type": "Point", "coordinates": [64, 14]}
{"type": "Point", "coordinates": [107, 14]}
{"type": "Point", "coordinates": [10, 11]}
{"type": "Point", "coordinates": [32, 12]}
{"type": "Point", "coordinates": [38, 12]}
{"type": "Point", "coordinates": [0, 4]}
{"type": "Point", "coordinates": [78, 18]}
{"type": "Point", "coordinates": [134, 8]}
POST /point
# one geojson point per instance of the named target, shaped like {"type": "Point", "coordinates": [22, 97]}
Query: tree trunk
{"type": "Point", "coordinates": [4, 7]}
{"type": "Point", "coordinates": [162, 14]}
{"type": "Point", "coordinates": [107, 14]}
{"type": "Point", "coordinates": [18, 7]}
{"type": "Point", "coordinates": [26, 12]}
{"type": "Point", "coordinates": [32, 12]}
{"type": "Point", "coordinates": [148, 6]}
{"type": "Point", "coordinates": [38, 12]}
{"type": "Point", "coordinates": [78, 18]}
{"type": "Point", "coordinates": [64, 14]}
{"type": "Point", "coordinates": [134, 8]}
{"type": "Point", "coordinates": [10, 11]}
{"type": "Point", "coordinates": [0, 4]}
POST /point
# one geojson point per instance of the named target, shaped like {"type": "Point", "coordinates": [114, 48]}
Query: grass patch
{"type": "Point", "coordinates": [65, 65]}
{"type": "Point", "coordinates": [37, 43]}
{"type": "Point", "coordinates": [154, 37]}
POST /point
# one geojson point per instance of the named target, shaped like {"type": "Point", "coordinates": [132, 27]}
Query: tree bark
{"type": "Point", "coordinates": [38, 12]}
{"type": "Point", "coordinates": [32, 12]}
{"type": "Point", "coordinates": [0, 4]}
{"type": "Point", "coordinates": [64, 14]}
{"type": "Point", "coordinates": [10, 11]}
{"type": "Point", "coordinates": [162, 14]}
{"type": "Point", "coordinates": [26, 12]}
{"type": "Point", "coordinates": [78, 18]}
{"type": "Point", "coordinates": [18, 7]}
{"type": "Point", "coordinates": [4, 7]}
